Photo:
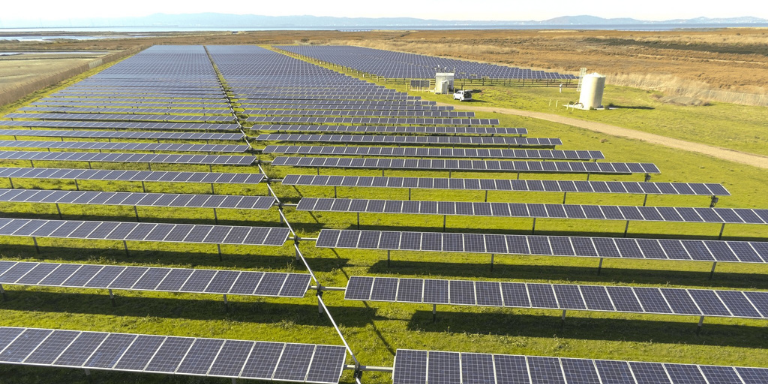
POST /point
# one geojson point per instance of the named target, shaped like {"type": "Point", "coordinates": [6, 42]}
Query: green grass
{"type": "Point", "coordinates": [375, 330]}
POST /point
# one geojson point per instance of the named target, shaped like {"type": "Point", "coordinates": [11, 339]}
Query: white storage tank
{"type": "Point", "coordinates": [441, 78]}
{"type": "Point", "coordinates": [592, 86]}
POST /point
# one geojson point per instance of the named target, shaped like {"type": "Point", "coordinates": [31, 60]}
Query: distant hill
{"type": "Point", "coordinates": [233, 21]}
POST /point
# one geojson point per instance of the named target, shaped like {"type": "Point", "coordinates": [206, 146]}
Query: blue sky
{"type": "Point", "coordinates": [444, 9]}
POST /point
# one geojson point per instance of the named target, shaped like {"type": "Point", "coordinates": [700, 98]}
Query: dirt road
{"type": "Point", "coordinates": [717, 152]}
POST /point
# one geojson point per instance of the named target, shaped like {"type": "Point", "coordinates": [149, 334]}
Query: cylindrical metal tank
{"type": "Point", "coordinates": [592, 86]}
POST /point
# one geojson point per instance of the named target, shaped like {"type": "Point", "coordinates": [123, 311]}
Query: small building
{"type": "Point", "coordinates": [444, 83]}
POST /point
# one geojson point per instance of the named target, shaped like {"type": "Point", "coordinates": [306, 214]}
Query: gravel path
{"type": "Point", "coordinates": [717, 152]}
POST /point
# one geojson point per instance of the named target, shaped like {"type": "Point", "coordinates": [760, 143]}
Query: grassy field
{"type": "Point", "coordinates": [376, 330]}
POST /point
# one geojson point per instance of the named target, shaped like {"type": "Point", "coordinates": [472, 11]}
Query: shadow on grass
{"type": "Point", "coordinates": [518, 323]}
{"type": "Point", "coordinates": [643, 107]}
{"type": "Point", "coordinates": [585, 275]}
{"type": "Point", "coordinates": [192, 259]}
{"type": "Point", "coordinates": [181, 306]}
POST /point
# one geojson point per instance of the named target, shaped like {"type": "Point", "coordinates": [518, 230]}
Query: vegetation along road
{"type": "Point", "coordinates": [720, 153]}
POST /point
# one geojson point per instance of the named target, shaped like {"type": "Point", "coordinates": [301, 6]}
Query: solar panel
{"type": "Point", "coordinates": [431, 140]}
{"type": "Point", "coordinates": [135, 199]}
{"type": "Point", "coordinates": [123, 135]}
{"type": "Point", "coordinates": [391, 129]}
{"type": "Point", "coordinates": [145, 353]}
{"type": "Point", "coordinates": [128, 158]}
{"type": "Point", "coordinates": [474, 165]}
{"type": "Point", "coordinates": [120, 125]}
{"type": "Point", "coordinates": [435, 152]}
{"type": "Point", "coordinates": [118, 117]}
{"type": "Point", "coordinates": [621, 187]}
{"type": "Point", "coordinates": [343, 120]}
{"type": "Point", "coordinates": [125, 175]}
{"type": "Point", "coordinates": [75, 229]}
{"type": "Point", "coordinates": [540, 245]}
{"type": "Point", "coordinates": [420, 367]}
{"type": "Point", "coordinates": [710, 215]}
{"type": "Point", "coordinates": [110, 146]}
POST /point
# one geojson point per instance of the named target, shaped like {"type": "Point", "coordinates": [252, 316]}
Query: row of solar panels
{"type": "Point", "coordinates": [135, 199]}
{"type": "Point", "coordinates": [363, 120]}
{"type": "Point", "coordinates": [667, 301]}
{"type": "Point", "coordinates": [130, 111]}
{"type": "Point", "coordinates": [564, 211]}
{"type": "Point", "coordinates": [114, 116]}
{"type": "Point", "coordinates": [154, 279]}
{"type": "Point", "coordinates": [308, 112]}
{"type": "Point", "coordinates": [631, 187]}
{"type": "Point", "coordinates": [100, 145]}
{"type": "Point", "coordinates": [603, 247]}
{"type": "Point", "coordinates": [66, 103]}
{"type": "Point", "coordinates": [468, 165]}
{"type": "Point", "coordinates": [436, 152]}
{"type": "Point", "coordinates": [123, 135]}
{"type": "Point", "coordinates": [121, 125]}
{"type": "Point", "coordinates": [167, 233]}
{"type": "Point", "coordinates": [163, 95]}
{"type": "Point", "coordinates": [393, 129]}
{"type": "Point", "coordinates": [127, 175]}
{"type": "Point", "coordinates": [434, 140]}
{"type": "Point", "coordinates": [128, 99]}
{"type": "Point", "coordinates": [306, 363]}
{"type": "Point", "coordinates": [128, 158]}
{"type": "Point", "coordinates": [414, 102]}
{"type": "Point", "coordinates": [422, 367]}
{"type": "Point", "coordinates": [358, 107]}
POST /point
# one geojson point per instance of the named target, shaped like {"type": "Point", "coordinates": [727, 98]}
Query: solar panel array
{"type": "Point", "coordinates": [400, 65]}
{"type": "Point", "coordinates": [136, 199]}
{"type": "Point", "coordinates": [602, 247]}
{"type": "Point", "coordinates": [166, 90]}
{"type": "Point", "coordinates": [629, 187]}
{"type": "Point", "coordinates": [422, 367]}
{"type": "Point", "coordinates": [211, 281]}
{"type": "Point", "coordinates": [666, 301]}
{"type": "Point", "coordinates": [126, 175]}
{"type": "Point", "coordinates": [424, 140]}
{"type": "Point", "coordinates": [122, 135]}
{"type": "Point", "coordinates": [153, 232]}
{"type": "Point", "coordinates": [554, 211]}
{"type": "Point", "coordinates": [393, 129]}
{"type": "Point", "coordinates": [468, 165]}
{"type": "Point", "coordinates": [435, 152]}
{"type": "Point", "coordinates": [305, 363]}
{"type": "Point", "coordinates": [100, 145]}
{"type": "Point", "coordinates": [128, 158]}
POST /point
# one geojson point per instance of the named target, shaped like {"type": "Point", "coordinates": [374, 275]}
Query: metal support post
{"type": "Point", "coordinates": [58, 209]}
{"type": "Point", "coordinates": [12, 187]}
{"type": "Point", "coordinates": [136, 211]}
{"type": "Point", "coordinates": [444, 218]}
{"type": "Point", "coordinates": [389, 258]}
{"type": "Point", "coordinates": [713, 202]}
{"type": "Point", "coordinates": [334, 192]}
{"type": "Point", "coordinates": [409, 194]}
{"type": "Point", "coordinates": [492, 262]}
{"type": "Point", "coordinates": [213, 190]}
{"type": "Point", "coordinates": [34, 239]}
{"type": "Point", "coordinates": [2, 292]}
{"type": "Point", "coordinates": [298, 257]}
{"type": "Point", "coordinates": [533, 228]}
{"type": "Point", "coordinates": [486, 196]}
{"type": "Point", "coordinates": [434, 312]}
{"type": "Point", "coordinates": [600, 266]}
{"type": "Point", "coordinates": [712, 273]}
{"type": "Point", "coordinates": [626, 228]}
{"type": "Point", "coordinates": [125, 245]}
{"type": "Point", "coordinates": [647, 178]}
{"type": "Point", "coordinates": [563, 317]}
{"type": "Point", "coordinates": [112, 297]}
{"type": "Point", "coordinates": [587, 176]}
{"type": "Point", "coordinates": [215, 216]}
{"type": "Point", "coordinates": [722, 228]}
{"type": "Point", "coordinates": [150, 166]}
{"type": "Point", "coordinates": [218, 248]}
{"type": "Point", "coordinates": [77, 187]}
{"type": "Point", "coordinates": [358, 220]}
{"type": "Point", "coordinates": [318, 171]}
{"type": "Point", "coordinates": [565, 194]}
{"type": "Point", "coordinates": [32, 163]}
{"type": "Point", "coordinates": [645, 200]}
{"type": "Point", "coordinates": [382, 173]}
{"type": "Point", "coordinates": [449, 174]}
{"type": "Point", "coordinates": [210, 168]}
{"type": "Point", "coordinates": [319, 306]}
{"type": "Point", "coordinates": [226, 304]}
{"type": "Point", "coordinates": [701, 322]}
